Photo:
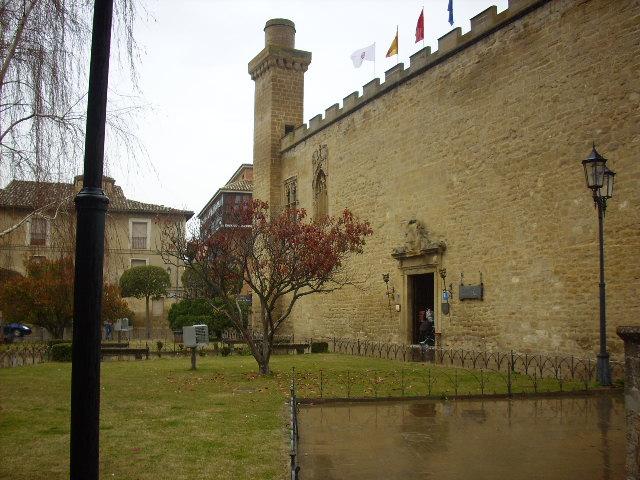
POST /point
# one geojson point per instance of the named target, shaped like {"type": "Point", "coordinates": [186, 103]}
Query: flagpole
{"type": "Point", "coordinates": [397, 47]}
{"type": "Point", "coordinates": [374, 59]}
{"type": "Point", "coordinates": [423, 25]}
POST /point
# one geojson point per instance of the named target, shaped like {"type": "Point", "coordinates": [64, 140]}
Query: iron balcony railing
{"type": "Point", "coordinates": [139, 243]}
{"type": "Point", "coordinates": [38, 239]}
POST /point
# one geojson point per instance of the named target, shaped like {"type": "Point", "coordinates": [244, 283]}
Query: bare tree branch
{"type": "Point", "coordinates": [38, 212]}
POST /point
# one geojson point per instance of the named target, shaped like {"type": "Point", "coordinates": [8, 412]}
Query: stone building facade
{"type": "Point", "coordinates": [468, 161]}
{"type": "Point", "coordinates": [132, 234]}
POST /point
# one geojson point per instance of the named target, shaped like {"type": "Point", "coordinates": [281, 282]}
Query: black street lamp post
{"type": "Point", "coordinates": [600, 181]}
{"type": "Point", "coordinates": [91, 207]}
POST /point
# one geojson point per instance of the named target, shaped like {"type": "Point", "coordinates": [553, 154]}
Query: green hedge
{"type": "Point", "coordinates": [319, 347]}
{"type": "Point", "coordinates": [60, 352]}
{"type": "Point", "coordinates": [200, 311]}
{"type": "Point", "coordinates": [188, 320]}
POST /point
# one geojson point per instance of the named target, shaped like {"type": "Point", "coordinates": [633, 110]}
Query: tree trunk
{"type": "Point", "coordinates": [148, 318]}
{"type": "Point", "coordinates": [263, 362]}
{"type": "Point", "coordinates": [264, 366]}
{"type": "Point", "coordinates": [58, 332]}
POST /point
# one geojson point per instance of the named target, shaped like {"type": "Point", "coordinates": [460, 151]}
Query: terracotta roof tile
{"type": "Point", "coordinates": [29, 195]}
{"type": "Point", "coordinates": [239, 186]}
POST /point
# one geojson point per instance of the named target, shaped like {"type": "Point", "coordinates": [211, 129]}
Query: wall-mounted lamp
{"type": "Point", "coordinates": [390, 291]}
{"type": "Point", "coordinates": [446, 294]}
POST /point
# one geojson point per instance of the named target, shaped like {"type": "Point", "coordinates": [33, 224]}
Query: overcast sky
{"type": "Point", "coordinates": [198, 127]}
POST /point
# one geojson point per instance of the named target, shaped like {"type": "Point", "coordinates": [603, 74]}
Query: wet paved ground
{"type": "Point", "coordinates": [543, 438]}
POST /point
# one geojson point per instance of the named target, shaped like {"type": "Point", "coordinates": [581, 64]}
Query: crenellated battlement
{"type": "Point", "coordinates": [483, 24]}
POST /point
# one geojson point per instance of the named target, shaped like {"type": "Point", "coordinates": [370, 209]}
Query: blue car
{"type": "Point", "coordinates": [14, 330]}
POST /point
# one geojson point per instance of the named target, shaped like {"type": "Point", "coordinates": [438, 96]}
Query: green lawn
{"type": "Point", "coordinates": [161, 421]}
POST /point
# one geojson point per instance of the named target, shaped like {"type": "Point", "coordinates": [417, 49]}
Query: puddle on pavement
{"type": "Point", "coordinates": [541, 438]}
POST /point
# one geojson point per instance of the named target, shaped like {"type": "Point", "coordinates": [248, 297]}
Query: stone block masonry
{"type": "Point", "coordinates": [481, 142]}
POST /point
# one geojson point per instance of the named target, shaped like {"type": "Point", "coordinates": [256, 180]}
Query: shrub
{"type": "Point", "coordinates": [242, 350]}
{"type": "Point", "coordinates": [206, 311]}
{"type": "Point", "coordinates": [188, 320]}
{"type": "Point", "coordinates": [61, 352]}
{"type": "Point", "coordinates": [225, 351]}
{"type": "Point", "coordinates": [319, 347]}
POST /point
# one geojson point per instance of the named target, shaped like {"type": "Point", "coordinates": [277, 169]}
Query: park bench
{"type": "Point", "coordinates": [278, 345]}
{"type": "Point", "coordinates": [115, 345]}
{"type": "Point", "coordinates": [299, 348]}
{"type": "Point", "coordinates": [136, 352]}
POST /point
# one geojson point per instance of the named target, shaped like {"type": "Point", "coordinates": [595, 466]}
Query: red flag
{"type": "Point", "coordinates": [420, 27]}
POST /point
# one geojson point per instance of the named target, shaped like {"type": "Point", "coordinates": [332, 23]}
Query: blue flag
{"type": "Point", "coordinates": [450, 8]}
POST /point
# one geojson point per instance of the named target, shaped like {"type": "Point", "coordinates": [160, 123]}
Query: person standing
{"type": "Point", "coordinates": [430, 329]}
{"type": "Point", "coordinates": [423, 328]}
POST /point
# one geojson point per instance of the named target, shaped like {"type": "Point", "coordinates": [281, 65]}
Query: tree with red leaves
{"type": "Point", "coordinates": [281, 258]}
{"type": "Point", "coordinates": [44, 297]}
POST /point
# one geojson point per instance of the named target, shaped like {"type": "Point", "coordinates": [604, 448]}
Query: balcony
{"type": "Point", "coordinates": [38, 239]}
{"type": "Point", "coordinates": [139, 243]}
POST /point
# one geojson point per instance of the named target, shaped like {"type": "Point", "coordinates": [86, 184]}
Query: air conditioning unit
{"type": "Point", "coordinates": [195, 336]}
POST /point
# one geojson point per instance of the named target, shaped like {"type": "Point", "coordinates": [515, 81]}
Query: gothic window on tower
{"type": "Point", "coordinates": [291, 193]}
{"type": "Point", "coordinates": [320, 201]}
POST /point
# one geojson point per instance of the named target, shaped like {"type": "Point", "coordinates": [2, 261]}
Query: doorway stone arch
{"type": "Point", "coordinates": [419, 258]}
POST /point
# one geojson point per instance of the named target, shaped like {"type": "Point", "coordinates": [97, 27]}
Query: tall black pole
{"type": "Point", "coordinates": [91, 207]}
{"type": "Point", "coordinates": [603, 371]}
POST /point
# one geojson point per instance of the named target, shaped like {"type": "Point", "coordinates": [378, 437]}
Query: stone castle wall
{"type": "Point", "coordinates": [481, 143]}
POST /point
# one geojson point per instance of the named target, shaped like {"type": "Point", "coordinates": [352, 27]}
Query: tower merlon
{"type": "Point", "coordinates": [485, 19]}
{"type": "Point", "coordinates": [450, 40]}
{"type": "Point", "coordinates": [483, 24]}
{"type": "Point", "coordinates": [419, 58]}
{"type": "Point", "coordinates": [332, 112]}
{"type": "Point", "coordinates": [315, 121]}
{"type": "Point", "coordinates": [371, 88]}
{"type": "Point", "coordinates": [350, 100]}
{"type": "Point", "coordinates": [394, 73]}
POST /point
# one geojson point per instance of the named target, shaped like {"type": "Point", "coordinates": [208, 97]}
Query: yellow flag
{"type": "Point", "coordinates": [393, 49]}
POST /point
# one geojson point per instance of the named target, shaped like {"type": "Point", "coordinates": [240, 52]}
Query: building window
{"type": "Point", "coordinates": [320, 200]}
{"type": "Point", "coordinates": [291, 192]}
{"type": "Point", "coordinates": [38, 231]}
{"type": "Point", "coordinates": [241, 199]}
{"type": "Point", "coordinates": [139, 235]}
{"type": "Point", "coordinates": [138, 262]}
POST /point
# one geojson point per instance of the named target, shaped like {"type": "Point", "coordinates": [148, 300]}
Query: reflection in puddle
{"type": "Point", "coordinates": [542, 438]}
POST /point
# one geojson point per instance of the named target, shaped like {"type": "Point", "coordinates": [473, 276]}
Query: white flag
{"type": "Point", "coordinates": [366, 53]}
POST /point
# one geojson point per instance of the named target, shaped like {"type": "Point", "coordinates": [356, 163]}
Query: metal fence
{"type": "Point", "coordinates": [425, 380]}
{"type": "Point", "coordinates": [293, 405]}
{"type": "Point", "coordinates": [559, 367]}
{"type": "Point", "coordinates": [23, 353]}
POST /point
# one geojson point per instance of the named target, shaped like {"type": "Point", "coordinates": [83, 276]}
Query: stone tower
{"type": "Point", "coordinates": [278, 71]}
